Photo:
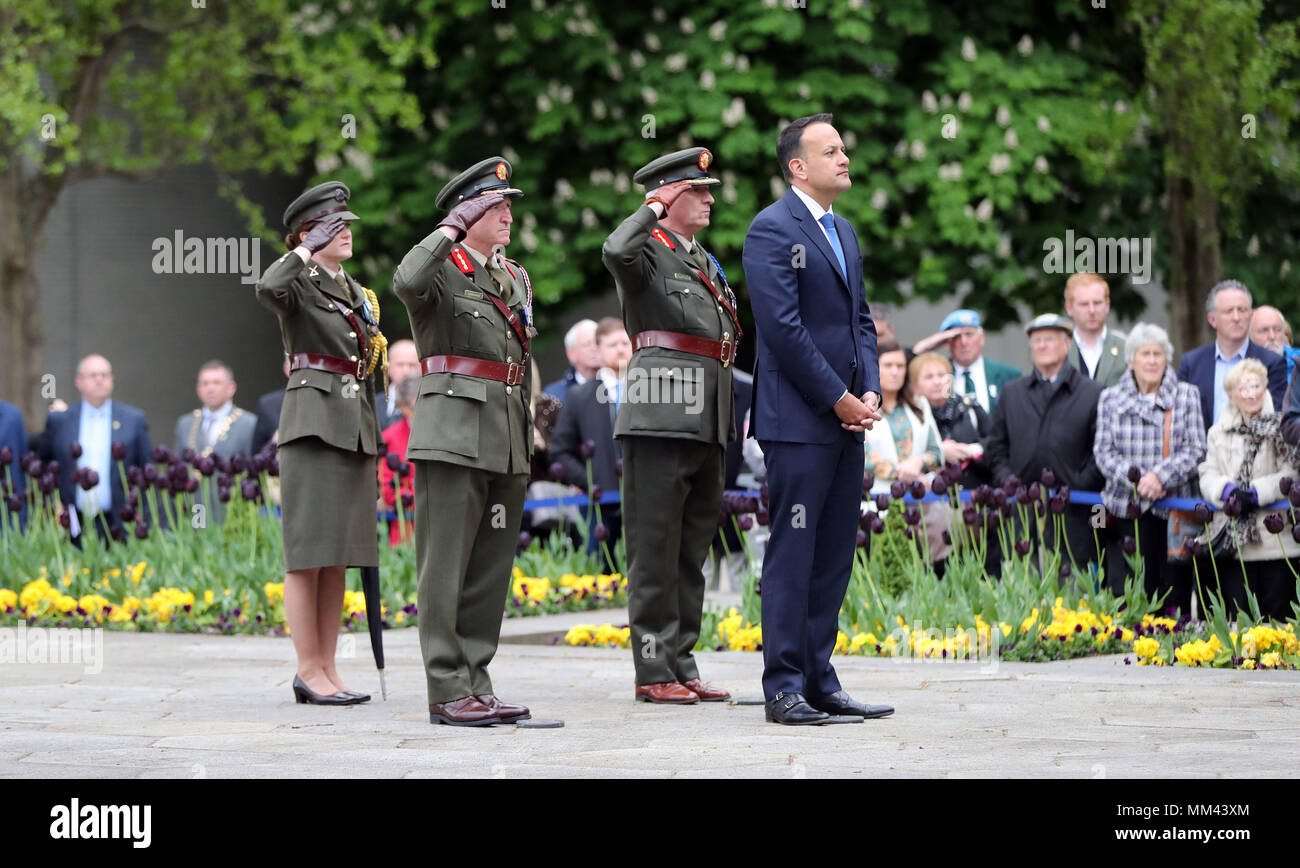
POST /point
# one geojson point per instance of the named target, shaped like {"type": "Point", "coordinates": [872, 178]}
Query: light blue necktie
{"type": "Point", "coordinates": [828, 220]}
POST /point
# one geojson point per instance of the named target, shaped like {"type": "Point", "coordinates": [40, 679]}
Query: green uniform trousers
{"type": "Point", "coordinates": [672, 489]}
{"type": "Point", "coordinates": [466, 529]}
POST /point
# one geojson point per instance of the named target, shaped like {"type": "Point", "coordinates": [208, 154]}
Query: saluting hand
{"type": "Point", "coordinates": [467, 213]}
{"type": "Point", "coordinates": [323, 233]}
{"type": "Point", "coordinates": [669, 193]}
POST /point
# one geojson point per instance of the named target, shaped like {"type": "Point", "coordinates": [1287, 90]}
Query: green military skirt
{"type": "Point", "coordinates": [327, 503]}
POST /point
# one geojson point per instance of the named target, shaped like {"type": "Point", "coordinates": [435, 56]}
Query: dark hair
{"type": "Point", "coordinates": [905, 396]}
{"type": "Point", "coordinates": [217, 365]}
{"type": "Point", "coordinates": [609, 325]}
{"type": "Point", "coordinates": [789, 143]}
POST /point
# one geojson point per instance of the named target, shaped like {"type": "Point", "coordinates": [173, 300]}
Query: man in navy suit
{"type": "Point", "coordinates": [96, 424]}
{"type": "Point", "coordinates": [1228, 308]}
{"type": "Point", "coordinates": [816, 389]}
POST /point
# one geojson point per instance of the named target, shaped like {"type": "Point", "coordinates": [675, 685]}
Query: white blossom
{"type": "Point", "coordinates": [963, 102]}
{"type": "Point", "coordinates": [742, 64]}
{"type": "Point", "coordinates": [650, 95]}
{"type": "Point", "coordinates": [999, 163]}
{"type": "Point", "coordinates": [928, 102]}
{"type": "Point", "coordinates": [1004, 244]}
{"type": "Point", "coordinates": [906, 221]}
{"type": "Point", "coordinates": [850, 139]}
{"type": "Point", "coordinates": [615, 71]}
{"type": "Point", "coordinates": [636, 59]}
{"type": "Point", "coordinates": [945, 101]}
{"type": "Point", "coordinates": [1285, 269]}
{"type": "Point", "coordinates": [1025, 46]}
{"type": "Point", "coordinates": [879, 199]}
{"type": "Point", "coordinates": [659, 15]}
{"type": "Point", "coordinates": [675, 62]}
{"type": "Point", "coordinates": [805, 92]}
{"type": "Point", "coordinates": [1040, 164]}
{"type": "Point", "coordinates": [1120, 107]}
{"type": "Point", "coordinates": [598, 110]}
{"type": "Point", "coordinates": [588, 218]}
{"type": "Point", "coordinates": [1252, 247]}
{"type": "Point", "coordinates": [688, 26]}
{"type": "Point", "coordinates": [708, 80]}
{"type": "Point", "coordinates": [543, 102]}
{"type": "Point", "coordinates": [652, 41]}
{"type": "Point", "coordinates": [950, 172]}
{"type": "Point", "coordinates": [734, 113]}
{"type": "Point", "coordinates": [563, 190]}
{"type": "Point", "coordinates": [1044, 124]}
{"type": "Point", "coordinates": [984, 210]}
{"type": "Point", "coordinates": [622, 183]}
{"type": "Point", "coordinates": [729, 187]}
{"type": "Point", "coordinates": [918, 149]}
{"type": "Point", "coordinates": [968, 49]}
{"type": "Point", "coordinates": [1103, 213]}
{"type": "Point", "coordinates": [1004, 116]}
{"type": "Point", "coordinates": [1011, 140]}
{"type": "Point", "coordinates": [900, 149]}
{"type": "Point", "coordinates": [555, 236]}
{"type": "Point", "coordinates": [718, 30]}
{"type": "Point", "coordinates": [1074, 42]}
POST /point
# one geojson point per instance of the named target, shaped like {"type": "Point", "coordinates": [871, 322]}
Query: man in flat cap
{"type": "Point", "coordinates": [1046, 421]}
{"type": "Point", "coordinates": [471, 437]}
{"type": "Point", "coordinates": [676, 418]}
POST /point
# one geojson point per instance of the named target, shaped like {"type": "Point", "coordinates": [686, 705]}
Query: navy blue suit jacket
{"type": "Point", "coordinates": [815, 336]}
{"type": "Point", "coordinates": [129, 428]}
{"type": "Point", "coordinates": [1197, 368]}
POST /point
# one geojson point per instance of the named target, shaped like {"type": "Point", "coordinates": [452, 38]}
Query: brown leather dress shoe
{"type": "Point", "coordinates": [705, 692]}
{"type": "Point", "coordinates": [671, 692]}
{"type": "Point", "coordinates": [467, 711]}
{"type": "Point", "coordinates": [505, 712]}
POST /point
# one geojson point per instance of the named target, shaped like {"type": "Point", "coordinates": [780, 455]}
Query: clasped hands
{"type": "Point", "coordinates": [858, 414]}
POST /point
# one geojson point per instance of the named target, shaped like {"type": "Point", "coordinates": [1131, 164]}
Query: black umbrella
{"type": "Point", "coordinates": [375, 620]}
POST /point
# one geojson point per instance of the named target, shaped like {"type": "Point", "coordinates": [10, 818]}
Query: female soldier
{"type": "Point", "coordinates": [328, 429]}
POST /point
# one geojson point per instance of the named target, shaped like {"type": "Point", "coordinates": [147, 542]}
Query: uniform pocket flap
{"type": "Point", "coordinates": [681, 286]}
{"type": "Point", "coordinates": [454, 385]}
{"type": "Point", "coordinates": [322, 380]}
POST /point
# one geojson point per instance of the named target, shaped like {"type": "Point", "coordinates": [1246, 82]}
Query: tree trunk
{"type": "Point", "coordinates": [1196, 262]}
{"type": "Point", "coordinates": [21, 338]}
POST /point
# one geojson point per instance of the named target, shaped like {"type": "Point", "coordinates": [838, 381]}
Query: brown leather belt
{"type": "Point", "coordinates": [510, 373]}
{"type": "Point", "coordinates": [333, 364]}
{"type": "Point", "coordinates": [724, 350]}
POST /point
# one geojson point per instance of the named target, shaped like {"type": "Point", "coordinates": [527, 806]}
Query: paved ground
{"type": "Point", "coordinates": [190, 706]}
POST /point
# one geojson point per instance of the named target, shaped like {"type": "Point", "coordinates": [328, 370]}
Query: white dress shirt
{"type": "Point", "coordinates": [981, 382]}
{"type": "Point", "coordinates": [95, 436]}
{"type": "Point", "coordinates": [1091, 355]}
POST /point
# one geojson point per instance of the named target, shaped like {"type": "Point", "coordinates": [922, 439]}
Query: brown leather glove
{"type": "Point", "coordinates": [323, 233]}
{"type": "Point", "coordinates": [467, 213]}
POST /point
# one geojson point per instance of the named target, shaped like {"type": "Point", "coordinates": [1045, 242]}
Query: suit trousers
{"type": "Point", "coordinates": [466, 529]}
{"type": "Point", "coordinates": [814, 496]}
{"type": "Point", "coordinates": [672, 490]}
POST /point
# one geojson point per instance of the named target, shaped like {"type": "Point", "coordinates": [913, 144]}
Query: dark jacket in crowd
{"type": "Point", "coordinates": [587, 415]}
{"type": "Point", "coordinates": [268, 418]}
{"type": "Point", "coordinates": [962, 419]}
{"type": "Point", "coordinates": [1197, 368]}
{"type": "Point", "coordinates": [1039, 425]}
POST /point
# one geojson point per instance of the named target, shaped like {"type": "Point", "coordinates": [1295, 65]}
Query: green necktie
{"type": "Point", "coordinates": [497, 268]}
{"type": "Point", "coordinates": [968, 382]}
{"type": "Point", "coordinates": [697, 253]}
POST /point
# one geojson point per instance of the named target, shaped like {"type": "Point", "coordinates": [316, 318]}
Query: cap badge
{"type": "Point", "coordinates": [501, 171]}
{"type": "Point", "coordinates": [705, 158]}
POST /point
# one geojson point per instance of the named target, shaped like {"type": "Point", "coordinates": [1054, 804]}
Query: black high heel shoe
{"type": "Point", "coordinates": [358, 695]}
{"type": "Point", "coordinates": [306, 696]}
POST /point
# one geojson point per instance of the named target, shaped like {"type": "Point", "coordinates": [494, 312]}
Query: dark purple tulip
{"type": "Point", "coordinates": [1283, 484]}
{"type": "Point", "coordinates": [618, 466]}
{"type": "Point", "coordinates": [1274, 522]}
{"type": "Point", "coordinates": [258, 463]}
{"type": "Point", "coordinates": [861, 538]}
{"type": "Point", "coordinates": [406, 469]}
{"type": "Point", "coordinates": [912, 515]}
{"type": "Point", "coordinates": [207, 466]}
{"type": "Point", "coordinates": [119, 535]}
{"type": "Point", "coordinates": [877, 524]}
{"type": "Point", "coordinates": [135, 476]}
{"type": "Point", "coordinates": [762, 517]}
{"type": "Point", "coordinates": [1047, 477]}
{"type": "Point", "coordinates": [1064, 571]}
{"type": "Point", "coordinates": [992, 521]}
{"type": "Point", "coordinates": [394, 461]}
{"type": "Point", "coordinates": [939, 485]}
{"type": "Point", "coordinates": [51, 469]}
{"type": "Point", "coordinates": [1011, 485]}
{"type": "Point", "coordinates": [250, 489]}
{"type": "Point", "coordinates": [1294, 497]}
{"type": "Point", "coordinates": [868, 480]}
{"type": "Point", "coordinates": [970, 515]}
{"type": "Point", "coordinates": [161, 454]}
{"type": "Point", "coordinates": [1007, 510]}
{"type": "Point", "coordinates": [999, 497]}
{"type": "Point", "coordinates": [74, 449]}
{"type": "Point", "coordinates": [597, 493]}
{"type": "Point", "coordinates": [745, 522]}
{"type": "Point", "coordinates": [223, 465]}
{"type": "Point", "coordinates": [556, 471]}
{"type": "Point", "coordinates": [897, 489]}
{"type": "Point", "coordinates": [1039, 508]}
{"type": "Point", "coordinates": [1295, 533]}
{"type": "Point", "coordinates": [6, 455]}
{"type": "Point", "coordinates": [1198, 548]}
{"type": "Point", "coordinates": [947, 538]}
{"type": "Point", "coordinates": [273, 466]}
{"type": "Point", "coordinates": [1023, 546]}
{"type": "Point", "coordinates": [408, 500]}
{"type": "Point", "coordinates": [1057, 504]}
{"type": "Point", "coordinates": [142, 530]}
{"type": "Point", "coordinates": [917, 489]}
{"type": "Point", "coordinates": [587, 448]}
{"type": "Point", "coordinates": [1134, 473]}
{"type": "Point", "coordinates": [132, 499]}
{"type": "Point", "coordinates": [524, 541]}
{"type": "Point", "coordinates": [127, 514]}
{"type": "Point", "coordinates": [1022, 496]}
{"type": "Point", "coordinates": [162, 483]}
{"type": "Point", "coordinates": [15, 503]}
{"type": "Point", "coordinates": [1202, 511]}
{"type": "Point", "coordinates": [191, 485]}
{"type": "Point", "coordinates": [751, 503]}
{"type": "Point", "coordinates": [48, 483]}
{"type": "Point", "coordinates": [601, 532]}
{"type": "Point", "coordinates": [225, 480]}
{"type": "Point", "coordinates": [907, 532]}
{"type": "Point", "coordinates": [1129, 545]}
{"type": "Point", "coordinates": [1064, 491]}
{"type": "Point", "coordinates": [223, 494]}
{"type": "Point", "coordinates": [1132, 510]}
{"type": "Point", "coordinates": [89, 478]}
{"type": "Point", "coordinates": [64, 520]}
{"type": "Point", "coordinates": [1035, 491]}
{"type": "Point", "coordinates": [1232, 507]}
{"type": "Point", "coordinates": [187, 455]}
{"type": "Point", "coordinates": [238, 464]}
{"type": "Point", "coordinates": [982, 494]}
{"type": "Point", "coordinates": [150, 473]}
{"type": "Point", "coordinates": [882, 502]}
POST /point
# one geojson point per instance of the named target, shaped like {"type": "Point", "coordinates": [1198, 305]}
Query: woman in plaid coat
{"type": "Point", "coordinates": [1148, 445]}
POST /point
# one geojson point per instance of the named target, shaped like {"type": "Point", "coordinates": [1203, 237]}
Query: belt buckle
{"type": "Point", "coordinates": [361, 369]}
{"type": "Point", "coordinates": [728, 347]}
{"type": "Point", "coordinates": [514, 373]}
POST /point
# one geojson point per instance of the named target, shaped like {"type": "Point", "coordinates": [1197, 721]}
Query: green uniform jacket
{"type": "Point", "coordinates": [997, 375]}
{"type": "Point", "coordinates": [333, 407]}
{"type": "Point", "coordinates": [461, 419]}
{"type": "Point", "coordinates": [669, 393]}
{"type": "Point", "coordinates": [1112, 365]}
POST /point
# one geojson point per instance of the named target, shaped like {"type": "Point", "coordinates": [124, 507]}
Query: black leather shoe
{"type": "Point", "coordinates": [840, 703]}
{"type": "Point", "coordinates": [792, 709]}
{"type": "Point", "coordinates": [358, 695]}
{"type": "Point", "coordinates": [306, 696]}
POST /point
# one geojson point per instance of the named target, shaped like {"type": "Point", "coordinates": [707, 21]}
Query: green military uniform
{"type": "Point", "coordinates": [674, 421]}
{"type": "Point", "coordinates": [329, 432]}
{"type": "Point", "coordinates": [471, 440]}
